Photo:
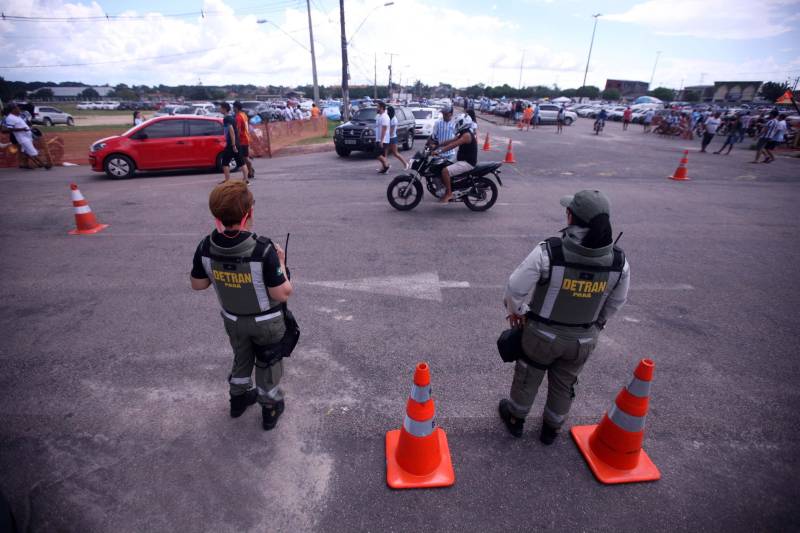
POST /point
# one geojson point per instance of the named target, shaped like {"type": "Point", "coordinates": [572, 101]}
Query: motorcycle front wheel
{"type": "Point", "coordinates": [482, 195]}
{"type": "Point", "coordinates": [403, 193]}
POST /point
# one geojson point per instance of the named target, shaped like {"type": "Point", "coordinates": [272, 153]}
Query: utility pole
{"type": "Point", "coordinates": [345, 72]}
{"type": "Point", "coordinates": [521, 63]}
{"type": "Point", "coordinates": [591, 44]}
{"type": "Point", "coordinates": [313, 56]}
{"type": "Point", "coordinates": [702, 77]}
{"type": "Point", "coordinates": [375, 87]}
{"type": "Point", "coordinates": [653, 75]}
{"type": "Point", "coordinates": [391, 60]}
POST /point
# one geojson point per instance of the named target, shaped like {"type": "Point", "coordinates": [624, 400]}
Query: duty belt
{"type": "Point", "coordinates": [269, 314]}
{"type": "Point", "coordinates": [548, 322]}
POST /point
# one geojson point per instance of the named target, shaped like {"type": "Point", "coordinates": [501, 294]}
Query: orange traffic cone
{"type": "Point", "coordinates": [509, 154]}
{"type": "Point", "coordinates": [486, 145]}
{"type": "Point", "coordinates": [84, 218]}
{"type": "Point", "coordinates": [417, 454]}
{"type": "Point", "coordinates": [680, 172]}
{"type": "Point", "coordinates": [613, 448]}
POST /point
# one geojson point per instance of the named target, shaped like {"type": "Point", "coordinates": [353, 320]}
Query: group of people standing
{"type": "Point", "coordinates": [237, 141]}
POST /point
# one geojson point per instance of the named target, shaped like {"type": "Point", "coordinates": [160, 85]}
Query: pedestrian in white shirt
{"type": "Point", "coordinates": [382, 138]}
{"type": "Point", "coordinates": [709, 130]}
{"type": "Point", "coordinates": [15, 124]}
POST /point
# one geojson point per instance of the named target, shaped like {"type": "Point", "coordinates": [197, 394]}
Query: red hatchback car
{"type": "Point", "coordinates": [161, 143]}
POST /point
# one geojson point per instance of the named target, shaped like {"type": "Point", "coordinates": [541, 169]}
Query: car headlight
{"type": "Point", "coordinates": [97, 147]}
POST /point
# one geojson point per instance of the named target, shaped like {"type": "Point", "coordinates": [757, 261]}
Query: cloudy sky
{"type": "Point", "coordinates": [461, 42]}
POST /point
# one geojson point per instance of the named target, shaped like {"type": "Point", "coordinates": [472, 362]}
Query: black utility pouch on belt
{"type": "Point", "coordinates": [269, 354]}
{"type": "Point", "coordinates": [509, 344]}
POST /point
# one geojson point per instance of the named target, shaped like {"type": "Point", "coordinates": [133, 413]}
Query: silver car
{"type": "Point", "coordinates": [49, 115]}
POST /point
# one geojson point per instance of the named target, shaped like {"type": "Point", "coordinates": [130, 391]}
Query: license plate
{"type": "Point", "coordinates": [350, 141]}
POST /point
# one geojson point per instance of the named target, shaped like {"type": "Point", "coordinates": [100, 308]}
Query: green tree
{"type": "Point", "coordinates": [588, 91]}
{"type": "Point", "coordinates": [771, 91]}
{"type": "Point", "coordinates": [89, 94]}
{"type": "Point", "coordinates": [569, 93]}
{"type": "Point", "coordinates": [691, 96]}
{"type": "Point", "coordinates": [44, 94]}
{"type": "Point", "coordinates": [611, 94]}
{"type": "Point", "coordinates": [123, 92]}
{"type": "Point", "coordinates": [663, 93]}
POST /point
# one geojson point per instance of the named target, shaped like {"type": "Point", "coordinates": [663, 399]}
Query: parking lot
{"type": "Point", "coordinates": [114, 412]}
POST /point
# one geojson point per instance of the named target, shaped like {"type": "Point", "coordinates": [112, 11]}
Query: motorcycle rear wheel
{"type": "Point", "coordinates": [485, 197]}
{"type": "Point", "coordinates": [402, 194]}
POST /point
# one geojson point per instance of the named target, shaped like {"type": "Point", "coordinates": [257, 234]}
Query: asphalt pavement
{"type": "Point", "coordinates": [113, 394]}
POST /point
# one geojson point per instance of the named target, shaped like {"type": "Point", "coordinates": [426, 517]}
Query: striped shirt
{"type": "Point", "coordinates": [444, 132]}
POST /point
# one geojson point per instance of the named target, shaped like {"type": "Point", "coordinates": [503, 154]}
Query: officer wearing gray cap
{"type": "Point", "coordinates": [562, 295]}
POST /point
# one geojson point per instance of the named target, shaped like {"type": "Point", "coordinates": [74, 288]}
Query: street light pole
{"type": "Point", "coordinates": [653, 75]}
{"type": "Point", "coordinates": [313, 56]}
{"type": "Point", "coordinates": [345, 83]}
{"type": "Point", "coordinates": [591, 44]}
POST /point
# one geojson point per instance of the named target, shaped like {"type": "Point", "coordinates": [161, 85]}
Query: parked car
{"type": "Point", "coordinates": [162, 143]}
{"type": "Point", "coordinates": [49, 115]}
{"type": "Point", "coordinates": [359, 133]}
{"type": "Point", "coordinates": [424, 118]}
{"type": "Point", "coordinates": [549, 113]}
{"type": "Point", "coordinates": [86, 105]}
{"type": "Point", "coordinates": [174, 109]}
{"type": "Point", "coordinates": [332, 113]}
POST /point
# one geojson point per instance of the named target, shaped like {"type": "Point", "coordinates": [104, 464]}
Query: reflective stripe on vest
{"type": "Point", "coordinates": [639, 388]}
{"type": "Point", "coordinates": [553, 289]}
{"type": "Point", "coordinates": [627, 422]}
{"type": "Point", "coordinates": [421, 394]}
{"type": "Point", "coordinates": [418, 429]}
{"type": "Point", "coordinates": [257, 271]}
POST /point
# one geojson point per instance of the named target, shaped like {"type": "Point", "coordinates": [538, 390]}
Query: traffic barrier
{"type": "Point", "coordinates": [509, 153]}
{"type": "Point", "coordinates": [84, 218]}
{"type": "Point", "coordinates": [417, 454]}
{"type": "Point", "coordinates": [486, 145]}
{"type": "Point", "coordinates": [613, 448]}
{"type": "Point", "coordinates": [680, 172]}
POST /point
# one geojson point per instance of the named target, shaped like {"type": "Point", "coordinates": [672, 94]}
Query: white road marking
{"type": "Point", "coordinates": [425, 286]}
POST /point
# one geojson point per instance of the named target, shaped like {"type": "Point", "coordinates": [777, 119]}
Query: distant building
{"type": "Point", "coordinates": [705, 93]}
{"type": "Point", "coordinates": [628, 88]}
{"type": "Point", "coordinates": [69, 94]}
{"type": "Point", "coordinates": [736, 91]}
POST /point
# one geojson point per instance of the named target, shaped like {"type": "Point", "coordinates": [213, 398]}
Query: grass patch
{"type": "Point", "coordinates": [75, 112]}
{"type": "Point", "coordinates": [58, 130]}
{"type": "Point", "coordinates": [319, 140]}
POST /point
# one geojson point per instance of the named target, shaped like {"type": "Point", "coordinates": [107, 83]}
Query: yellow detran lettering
{"type": "Point", "coordinates": [565, 284]}
{"type": "Point", "coordinates": [248, 278]}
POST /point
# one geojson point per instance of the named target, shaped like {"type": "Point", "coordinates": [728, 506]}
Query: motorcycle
{"type": "Point", "coordinates": [598, 126]}
{"type": "Point", "coordinates": [474, 188]}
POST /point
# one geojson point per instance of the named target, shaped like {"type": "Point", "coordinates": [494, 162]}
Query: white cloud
{"type": "Point", "coordinates": [711, 19]}
{"type": "Point", "coordinates": [445, 45]}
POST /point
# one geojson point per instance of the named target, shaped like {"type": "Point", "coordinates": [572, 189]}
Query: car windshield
{"type": "Point", "coordinates": [422, 114]}
{"type": "Point", "coordinates": [365, 115]}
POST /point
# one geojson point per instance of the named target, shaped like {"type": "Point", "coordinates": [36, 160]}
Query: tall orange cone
{"type": "Point", "coordinates": [417, 454]}
{"type": "Point", "coordinates": [613, 448]}
{"type": "Point", "coordinates": [509, 154]}
{"type": "Point", "coordinates": [680, 172]}
{"type": "Point", "coordinates": [486, 145]}
{"type": "Point", "coordinates": [84, 218]}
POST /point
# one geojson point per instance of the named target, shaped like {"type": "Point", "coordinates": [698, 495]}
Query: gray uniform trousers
{"type": "Point", "coordinates": [243, 333]}
{"type": "Point", "coordinates": [559, 354]}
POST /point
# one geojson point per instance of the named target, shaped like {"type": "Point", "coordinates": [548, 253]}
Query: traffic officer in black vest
{"type": "Point", "coordinates": [562, 295]}
{"type": "Point", "coordinates": [248, 273]}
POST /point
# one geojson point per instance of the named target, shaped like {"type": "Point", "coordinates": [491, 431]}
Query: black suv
{"type": "Point", "coordinates": [359, 133]}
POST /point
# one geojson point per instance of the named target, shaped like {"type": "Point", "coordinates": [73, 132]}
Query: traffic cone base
{"type": "Point", "coordinates": [645, 470]}
{"type": "Point", "coordinates": [397, 478]}
{"type": "Point", "coordinates": [97, 229]}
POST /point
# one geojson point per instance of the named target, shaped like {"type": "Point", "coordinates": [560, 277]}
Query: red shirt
{"type": "Point", "coordinates": [626, 115]}
{"type": "Point", "coordinates": [241, 128]}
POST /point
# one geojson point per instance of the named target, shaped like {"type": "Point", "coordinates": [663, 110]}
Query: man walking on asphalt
{"type": "Point", "coordinates": [382, 138]}
{"type": "Point", "coordinates": [243, 129]}
{"type": "Point", "coordinates": [578, 281]}
{"type": "Point", "coordinates": [249, 275]}
{"type": "Point", "coordinates": [709, 130]}
{"type": "Point", "coordinates": [231, 151]}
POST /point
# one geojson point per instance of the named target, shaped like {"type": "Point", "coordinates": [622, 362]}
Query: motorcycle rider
{"type": "Point", "coordinates": [466, 157]}
{"type": "Point", "coordinates": [601, 119]}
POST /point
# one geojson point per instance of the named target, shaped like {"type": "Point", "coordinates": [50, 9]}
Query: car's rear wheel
{"type": "Point", "coordinates": [48, 122]}
{"type": "Point", "coordinates": [70, 121]}
{"type": "Point", "coordinates": [408, 144]}
{"type": "Point", "coordinates": [568, 121]}
{"type": "Point", "coordinates": [118, 166]}
{"type": "Point", "coordinates": [342, 152]}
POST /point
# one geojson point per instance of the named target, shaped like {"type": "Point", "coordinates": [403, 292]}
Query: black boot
{"type": "Point", "coordinates": [513, 423]}
{"type": "Point", "coordinates": [241, 402]}
{"type": "Point", "coordinates": [270, 414]}
{"type": "Point", "coordinates": [548, 434]}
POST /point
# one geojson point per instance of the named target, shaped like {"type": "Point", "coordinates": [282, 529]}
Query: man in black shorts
{"type": "Point", "coordinates": [231, 151]}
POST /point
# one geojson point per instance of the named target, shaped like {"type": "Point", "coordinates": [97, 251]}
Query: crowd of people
{"type": "Point", "coordinates": [24, 139]}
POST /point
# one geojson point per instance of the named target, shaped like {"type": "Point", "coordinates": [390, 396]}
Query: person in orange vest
{"type": "Point", "coordinates": [314, 111]}
{"type": "Point", "coordinates": [527, 115]}
{"type": "Point", "coordinates": [243, 131]}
